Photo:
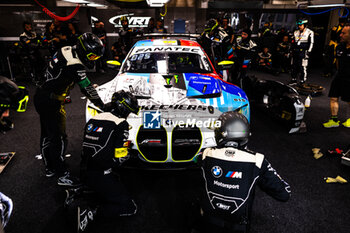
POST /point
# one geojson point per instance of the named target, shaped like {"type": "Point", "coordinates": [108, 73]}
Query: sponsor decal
{"type": "Point", "coordinates": [234, 174]}
{"type": "Point", "coordinates": [89, 128]}
{"type": "Point", "coordinates": [134, 21]}
{"type": "Point", "coordinates": [81, 73]}
{"type": "Point", "coordinates": [216, 171]}
{"type": "Point", "coordinates": [167, 49]}
{"type": "Point", "coordinates": [91, 137]}
{"type": "Point", "coordinates": [55, 59]}
{"type": "Point", "coordinates": [190, 107]}
{"type": "Point", "coordinates": [168, 79]}
{"type": "Point", "coordinates": [98, 129]}
{"type": "Point", "coordinates": [227, 186]}
{"type": "Point", "coordinates": [151, 119]}
{"type": "Point", "coordinates": [223, 206]}
{"type": "Point", "coordinates": [230, 153]}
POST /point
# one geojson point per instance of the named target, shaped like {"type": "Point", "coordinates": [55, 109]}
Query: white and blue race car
{"type": "Point", "coordinates": [181, 97]}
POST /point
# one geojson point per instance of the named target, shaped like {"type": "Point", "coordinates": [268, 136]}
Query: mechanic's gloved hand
{"type": "Point", "coordinates": [107, 107]}
{"type": "Point", "coordinates": [6, 206]}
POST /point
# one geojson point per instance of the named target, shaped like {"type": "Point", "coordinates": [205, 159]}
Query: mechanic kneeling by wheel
{"type": "Point", "coordinates": [11, 97]}
{"type": "Point", "coordinates": [231, 173]}
{"type": "Point", "coordinates": [104, 148]}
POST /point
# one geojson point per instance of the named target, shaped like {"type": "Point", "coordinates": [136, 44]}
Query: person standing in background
{"type": "Point", "coordinates": [340, 86]}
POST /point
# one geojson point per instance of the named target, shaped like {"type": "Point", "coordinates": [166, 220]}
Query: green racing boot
{"type": "Point", "coordinates": [347, 123]}
{"type": "Point", "coordinates": [332, 124]}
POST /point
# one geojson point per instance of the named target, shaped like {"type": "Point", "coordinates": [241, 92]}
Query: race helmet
{"type": "Point", "coordinates": [123, 103]}
{"type": "Point", "coordinates": [301, 21]}
{"type": "Point", "coordinates": [12, 96]}
{"type": "Point", "coordinates": [234, 130]}
{"type": "Point", "coordinates": [89, 49]}
{"type": "Point", "coordinates": [211, 25]}
{"type": "Point", "coordinates": [124, 22]}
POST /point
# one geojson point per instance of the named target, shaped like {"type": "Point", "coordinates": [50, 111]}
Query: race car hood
{"type": "Point", "coordinates": [164, 89]}
{"type": "Point", "coordinates": [192, 90]}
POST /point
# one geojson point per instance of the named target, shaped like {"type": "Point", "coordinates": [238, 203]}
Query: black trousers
{"type": "Point", "coordinates": [329, 59]}
{"type": "Point", "coordinates": [113, 198]}
{"type": "Point", "coordinates": [53, 139]}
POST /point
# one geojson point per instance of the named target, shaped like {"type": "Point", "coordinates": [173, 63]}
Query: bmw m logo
{"type": "Point", "coordinates": [89, 128]}
{"type": "Point", "coordinates": [151, 120]}
{"type": "Point", "coordinates": [217, 171]}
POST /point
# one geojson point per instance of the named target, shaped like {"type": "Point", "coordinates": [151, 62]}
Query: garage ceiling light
{"type": "Point", "coordinates": [95, 5]}
{"type": "Point", "coordinates": [326, 5]}
{"type": "Point", "coordinates": [77, 1]}
{"type": "Point", "coordinates": [156, 3]}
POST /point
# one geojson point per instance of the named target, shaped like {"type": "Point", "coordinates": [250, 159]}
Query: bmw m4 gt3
{"type": "Point", "coordinates": [181, 97]}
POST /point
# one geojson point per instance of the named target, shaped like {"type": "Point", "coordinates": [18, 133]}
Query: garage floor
{"type": "Point", "coordinates": [165, 198]}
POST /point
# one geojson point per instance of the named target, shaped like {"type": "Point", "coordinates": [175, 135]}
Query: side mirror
{"type": "Point", "coordinates": [225, 65]}
{"type": "Point", "coordinates": [113, 63]}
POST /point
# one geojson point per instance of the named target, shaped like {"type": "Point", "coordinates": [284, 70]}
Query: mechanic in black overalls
{"type": "Point", "coordinates": [30, 43]}
{"type": "Point", "coordinates": [16, 98]}
{"type": "Point", "coordinates": [126, 35]}
{"type": "Point", "coordinates": [105, 148]}
{"type": "Point", "coordinates": [329, 55]}
{"type": "Point", "coordinates": [66, 68]}
{"type": "Point", "coordinates": [230, 174]}
{"type": "Point", "coordinates": [340, 86]}
{"type": "Point", "coordinates": [244, 48]}
{"type": "Point", "coordinates": [214, 39]}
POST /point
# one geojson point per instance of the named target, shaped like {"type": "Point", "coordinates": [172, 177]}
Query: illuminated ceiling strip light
{"type": "Point", "coordinates": [18, 5]}
{"type": "Point", "coordinates": [7, 38]}
{"type": "Point", "coordinates": [326, 5]}
{"type": "Point", "coordinates": [128, 0]}
{"type": "Point", "coordinates": [95, 5]}
{"type": "Point", "coordinates": [76, 1]}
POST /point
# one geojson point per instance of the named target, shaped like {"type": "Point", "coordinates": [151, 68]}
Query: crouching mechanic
{"type": "Point", "coordinates": [11, 97]}
{"type": "Point", "coordinates": [105, 148]}
{"type": "Point", "coordinates": [231, 173]}
{"type": "Point", "coordinates": [66, 68]}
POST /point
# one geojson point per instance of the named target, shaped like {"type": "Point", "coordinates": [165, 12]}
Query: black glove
{"type": "Point", "coordinates": [107, 107]}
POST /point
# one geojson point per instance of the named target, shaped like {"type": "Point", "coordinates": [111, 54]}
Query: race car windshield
{"type": "Point", "coordinates": [167, 63]}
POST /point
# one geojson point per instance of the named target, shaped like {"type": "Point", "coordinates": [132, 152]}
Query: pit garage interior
{"type": "Point", "coordinates": [167, 198]}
